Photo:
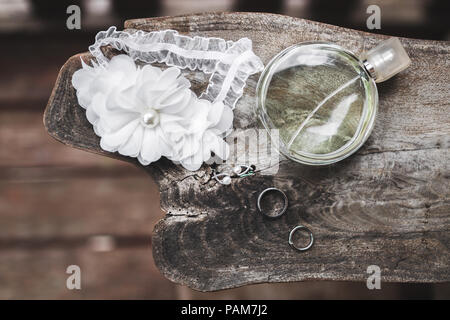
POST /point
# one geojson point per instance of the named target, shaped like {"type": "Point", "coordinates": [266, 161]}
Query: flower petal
{"type": "Point", "coordinates": [215, 113]}
{"type": "Point", "coordinates": [225, 121]}
{"type": "Point", "coordinates": [164, 144]}
{"type": "Point", "coordinates": [133, 146]}
{"type": "Point", "coordinates": [148, 94]}
{"type": "Point", "coordinates": [82, 78]}
{"type": "Point", "coordinates": [149, 73]}
{"type": "Point", "coordinates": [168, 77]}
{"type": "Point", "coordinates": [172, 124]}
{"type": "Point", "coordinates": [112, 141]}
{"type": "Point", "coordinates": [122, 63]}
{"type": "Point", "coordinates": [150, 146]}
{"type": "Point", "coordinates": [173, 101]}
{"type": "Point", "coordinates": [143, 161]}
{"type": "Point", "coordinates": [123, 100]}
{"type": "Point", "coordinates": [191, 145]}
{"type": "Point", "coordinates": [91, 116]}
{"type": "Point", "coordinates": [193, 163]}
{"type": "Point", "coordinates": [220, 148]}
{"type": "Point", "coordinates": [82, 81]}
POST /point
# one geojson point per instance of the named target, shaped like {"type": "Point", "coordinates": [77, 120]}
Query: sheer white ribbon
{"type": "Point", "coordinates": [229, 63]}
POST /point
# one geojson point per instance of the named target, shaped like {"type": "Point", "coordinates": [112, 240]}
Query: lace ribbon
{"type": "Point", "coordinates": [229, 63]}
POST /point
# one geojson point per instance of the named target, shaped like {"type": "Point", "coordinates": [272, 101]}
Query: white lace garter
{"type": "Point", "coordinates": [146, 112]}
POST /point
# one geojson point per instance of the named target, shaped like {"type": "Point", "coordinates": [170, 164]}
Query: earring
{"type": "Point", "coordinates": [222, 178]}
{"type": "Point", "coordinates": [240, 171]}
{"type": "Point", "coordinates": [248, 170]}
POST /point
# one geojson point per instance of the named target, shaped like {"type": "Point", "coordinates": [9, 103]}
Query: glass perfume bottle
{"type": "Point", "coordinates": [323, 99]}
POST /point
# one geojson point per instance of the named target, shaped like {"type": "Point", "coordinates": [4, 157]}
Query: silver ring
{"type": "Point", "coordinates": [311, 238]}
{"type": "Point", "coordinates": [280, 213]}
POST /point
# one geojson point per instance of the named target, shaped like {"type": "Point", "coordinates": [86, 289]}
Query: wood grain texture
{"type": "Point", "coordinates": [388, 205]}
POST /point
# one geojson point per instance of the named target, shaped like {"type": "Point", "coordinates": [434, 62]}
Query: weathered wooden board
{"type": "Point", "coordinates": [41, 274]}
{"type": "Point", "coordinates": [129, 273]}
{"type": "Point", "coordinates": [25, 143]}
{"type": "Point", "coordinates": [63, 207]}
{"type": "Point", "coordinates": [387, 205]}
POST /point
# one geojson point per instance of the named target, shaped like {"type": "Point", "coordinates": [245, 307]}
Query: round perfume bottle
{"type": "Point", "coordinates": [322, 99]}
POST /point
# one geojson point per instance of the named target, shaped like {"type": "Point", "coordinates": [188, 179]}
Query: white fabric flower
{"type": "Point", "coordinates": [147, 113]}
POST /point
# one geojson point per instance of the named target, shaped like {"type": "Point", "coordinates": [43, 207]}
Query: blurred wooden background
{"type": "Point", "coordinates": [60, 206]}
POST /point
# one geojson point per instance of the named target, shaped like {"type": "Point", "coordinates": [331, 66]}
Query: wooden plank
{"type": "Point", "coordinates": [27, 79]}
{"type": "Point", "coordinates": [119, 274]}
{"type": "Point", "coordinates": [45, 208]}
{"type": "Point", "coordinates": [130, 273]}
{"type": "Point", "coordinates": [43, 235]}
{"type": "Point", "coordinates": [25, 143]}
{"type": "Point", "coordinates": [387, 205]}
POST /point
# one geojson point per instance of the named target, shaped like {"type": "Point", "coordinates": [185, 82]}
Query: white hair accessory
{"type": "Point", "coordinates": [147, 113]}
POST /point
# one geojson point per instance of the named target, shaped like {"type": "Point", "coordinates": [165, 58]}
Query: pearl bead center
{"type": "Point", "coordinates": [150, 118]}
